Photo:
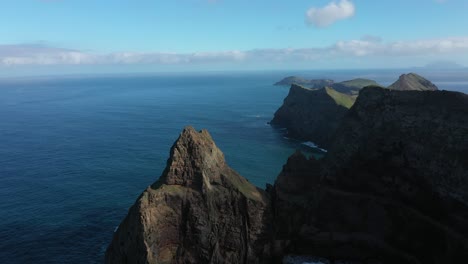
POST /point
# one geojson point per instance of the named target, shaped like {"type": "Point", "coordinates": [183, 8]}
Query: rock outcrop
{"type": "Point", "coordinates": [312, 115]}
{"type": "Point", "coordinates": [393, 187]}
{"type": "Point", "coordinates": [413, 82]}
{"type": "Point", "coordinates": [199, 211]}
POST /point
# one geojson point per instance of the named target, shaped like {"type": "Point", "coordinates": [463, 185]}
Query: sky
{"type": "Point", "coordinates": [86, 36]}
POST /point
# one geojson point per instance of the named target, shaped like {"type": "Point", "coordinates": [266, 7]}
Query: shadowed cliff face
{"type": "Point", "coordinates": [393, 187]}
{"type": "Point", "coordinates": [310, 115]}
{"type": "Point", "coordinates": [199, 211]}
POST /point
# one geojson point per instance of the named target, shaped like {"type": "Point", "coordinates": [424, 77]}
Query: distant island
{"type": "Point", "coordinates": [318, 83]}
{"type": "Point", "coordinates": [440, 65]}
{"type": "Point", "coordinates": [350, 86]}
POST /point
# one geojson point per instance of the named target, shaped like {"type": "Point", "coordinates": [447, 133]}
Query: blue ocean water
{"type": "Point", "coordinates": [77, 151]}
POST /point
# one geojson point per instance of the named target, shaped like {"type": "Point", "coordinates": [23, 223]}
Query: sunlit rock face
{"type": "Point", "coordinates": [199, 211]}
{"type": "Point", "coordinates": [413, 82]}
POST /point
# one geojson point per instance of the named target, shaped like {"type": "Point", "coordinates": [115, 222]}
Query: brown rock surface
{"type": "Point", "coordinates": [412, 82]}
{"type": "Point", "coordinates": [199, 211]}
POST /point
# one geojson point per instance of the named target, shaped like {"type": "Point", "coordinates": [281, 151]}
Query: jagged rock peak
{"type": "Point", "coordinates": [199, 211]}
{"type": "Point", "coordinates": [413, 82]}
{"type": "Point", "coordinates": [194, 159]}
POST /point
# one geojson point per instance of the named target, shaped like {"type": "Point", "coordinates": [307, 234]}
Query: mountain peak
{"type": "Point", "coordinates": [194, 160]}
{"type": "Point", "coordinates": [199, 211]}
{"type": "Point", "coordinates": [413, 82]}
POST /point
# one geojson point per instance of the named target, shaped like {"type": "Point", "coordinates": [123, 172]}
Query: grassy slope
{"type": "Point", "coordinates": [360, 83]}
{"type": "Point", "coordinates": [341, 98]}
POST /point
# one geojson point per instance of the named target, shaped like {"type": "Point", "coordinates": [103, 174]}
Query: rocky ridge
{"type": "Point", "coordinates": [413, 82]}
{"type": "Point", "coordinates": [350, 87]}
{"type": "Point", "coordinates": [310, 117]}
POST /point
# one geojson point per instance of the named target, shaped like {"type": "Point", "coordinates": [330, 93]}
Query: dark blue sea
{"type": "Point", "coordinates": [76, 151]}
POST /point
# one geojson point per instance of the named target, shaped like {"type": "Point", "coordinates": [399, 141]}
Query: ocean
{"type": "Point", "coordinates": [76, 151]}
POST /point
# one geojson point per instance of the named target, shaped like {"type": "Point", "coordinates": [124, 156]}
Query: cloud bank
{"type": "Point", "coordinates": [331, 13]}
{"type": "Point", "coordinates": [366, 47]}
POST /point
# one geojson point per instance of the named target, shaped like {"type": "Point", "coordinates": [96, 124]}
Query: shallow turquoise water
{"type": "Point", "coordinates": [77, 151]}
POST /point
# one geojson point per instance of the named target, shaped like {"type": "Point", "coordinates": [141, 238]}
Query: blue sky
{"type": "Point", "coordinates": [159, 35]}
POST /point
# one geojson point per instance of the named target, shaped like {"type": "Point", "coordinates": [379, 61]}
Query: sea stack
{"type": "Point", "coordinates": [199, 211]}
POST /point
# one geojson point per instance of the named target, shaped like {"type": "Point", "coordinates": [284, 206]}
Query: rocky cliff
{"type": "Point", "coordinates": [393, 187]}
{"type": "Point", "coordinates": [312, 115]}
{"type": "Point", "coordinates": [199, 211]}
{"type": "Point", "coordinates": [412, 82]}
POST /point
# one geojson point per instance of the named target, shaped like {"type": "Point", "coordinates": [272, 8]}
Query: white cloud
{"type": "Point", "coordinates": [331, 13]}
{"type": "Point", "coordinates": [366, 47]}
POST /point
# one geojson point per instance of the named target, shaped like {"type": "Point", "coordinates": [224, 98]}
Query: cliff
{"type": "Point", "coordinates": [199, 211]}
{"type": "Point", "coordinates": [312, 115]}
{"type": "Point", "coordinates": [412, 82]}
{"type": "Point", "coordinates": [393, 187]}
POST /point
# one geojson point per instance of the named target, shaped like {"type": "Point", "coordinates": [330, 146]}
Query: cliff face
{"type": "Point", "coordinates": [412, 82]}
{"type": "Point", "coordinates": [312, 114]}
{"type": "Point", "coordinates": [199, 211]}
{"type": "Point", "coordinates": [393, 187]}
{"type": "Point", "coordinates": [426, 132]}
